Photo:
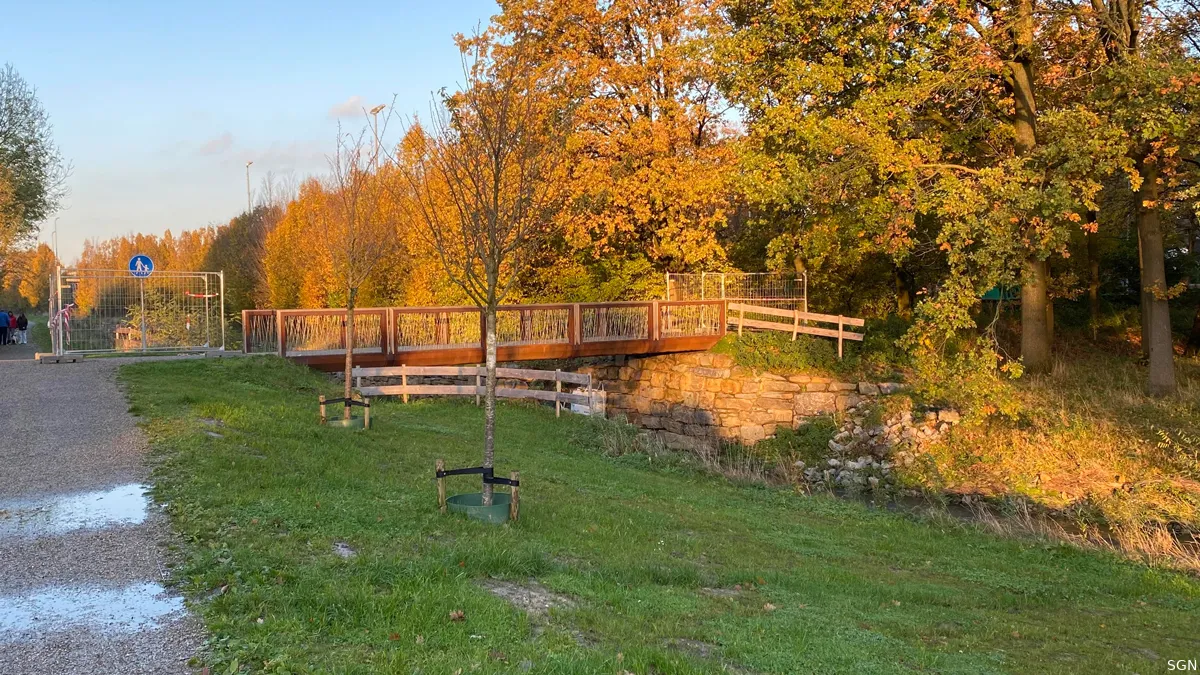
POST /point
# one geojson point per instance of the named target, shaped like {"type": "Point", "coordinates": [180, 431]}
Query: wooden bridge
{"type": "Point", "coordinates": [446, 336]}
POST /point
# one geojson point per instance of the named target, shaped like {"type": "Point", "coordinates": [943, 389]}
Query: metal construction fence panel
{"type": "Point", "coordinates": [97, 311]}
{"type": "Point", "coordinates": [763, 289]}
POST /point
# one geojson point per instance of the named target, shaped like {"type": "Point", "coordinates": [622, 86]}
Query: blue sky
{"type": "Point", "coordinates": [159, 105]}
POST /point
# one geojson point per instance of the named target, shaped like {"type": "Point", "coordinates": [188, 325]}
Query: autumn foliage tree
{"type": "Point", "coordinates": [480, 186]}
{"type": "Point", "coordinates": [645, 176]}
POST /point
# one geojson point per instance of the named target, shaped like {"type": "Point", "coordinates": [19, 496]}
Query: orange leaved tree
{"type": "Point", "coordinates": [479, 186]}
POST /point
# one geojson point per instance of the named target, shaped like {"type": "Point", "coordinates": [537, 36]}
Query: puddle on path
{"type": "Point", "coordinates": [125, 609]}
{"type": "Point", "coordinates": [121, 505]}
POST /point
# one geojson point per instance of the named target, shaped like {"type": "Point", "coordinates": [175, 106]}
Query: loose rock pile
{"type": "Point", "coordinates": [863, 454]}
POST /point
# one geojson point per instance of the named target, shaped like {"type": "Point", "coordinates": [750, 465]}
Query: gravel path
{"type": "Point", "coordinates": [81, 545]}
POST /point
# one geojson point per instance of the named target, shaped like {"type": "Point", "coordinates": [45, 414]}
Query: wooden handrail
{"type": "Point", "coordinates": [796, 316]}
{"type": "Point", "coordinates": [802, 316]}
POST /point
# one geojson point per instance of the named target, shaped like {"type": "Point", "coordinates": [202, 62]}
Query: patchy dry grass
{"type": "Point", "coordinates": [1123, 468]}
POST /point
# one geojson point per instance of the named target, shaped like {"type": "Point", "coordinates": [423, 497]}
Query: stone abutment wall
{"type": "Point", "coordinates": [696, 400]}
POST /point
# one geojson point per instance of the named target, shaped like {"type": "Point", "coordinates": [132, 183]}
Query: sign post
{"type": "Point", "coordinates": [141, 266]}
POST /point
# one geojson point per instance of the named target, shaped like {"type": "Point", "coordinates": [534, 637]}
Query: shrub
{"type": "Point", "coordinates": [809, 443]}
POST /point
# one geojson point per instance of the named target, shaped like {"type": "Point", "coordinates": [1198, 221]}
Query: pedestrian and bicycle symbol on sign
{"type": "Point", "coordinates": [141, 266]}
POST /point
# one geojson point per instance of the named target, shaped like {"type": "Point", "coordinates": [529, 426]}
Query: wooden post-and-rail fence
{"type": "Point", "coordinates": [585, 395]}
{"type": "Point", "coordinates": [798, 322]}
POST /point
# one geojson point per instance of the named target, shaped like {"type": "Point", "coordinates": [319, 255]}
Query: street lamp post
{"type": "Point", "coordinates": [249, 208]}
{"type": "Point", "coordinates": [55, 240]}
{"type": "Point", "coordinates": [375, 116]}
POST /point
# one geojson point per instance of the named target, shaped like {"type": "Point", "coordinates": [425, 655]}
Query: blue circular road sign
{"type": "Point", "coordinates": [141, 266]}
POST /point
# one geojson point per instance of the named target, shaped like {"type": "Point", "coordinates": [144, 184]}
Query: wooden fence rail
{"type": "Point", "coordinates": [586, 396]}
{"type": "Point", "coordinates": [798, 322]}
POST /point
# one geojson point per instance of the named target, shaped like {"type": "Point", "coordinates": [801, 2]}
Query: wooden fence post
{"type": "Point", "coordinates": [514, 506]}
{"type": "Point", "coordinates": [441, 486]}
{"type": "Point", "coordinates": [404, 381]}
{"type": "Point", "coordinates": [741, 318]}
{"type": "Point", "coordinates": [654, 317]}
{"type": "Point", "coordinates": [795, 323]}
{"type": "Point", "coordinates": [321, 399]}
{"type": "Point", "coordinates": [366, 413]}
{"type": "Point", "coordinates": [279, 324]}
{"type": "Point", "coordinates": [478, 383]}
{"type": "Point", "coordinates": [557, 392]}
{"type": "Point", "coordinates": [840, 333]}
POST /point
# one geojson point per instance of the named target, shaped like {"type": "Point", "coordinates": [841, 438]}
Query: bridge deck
{"type": "Point", "coordinates": [430, 336]}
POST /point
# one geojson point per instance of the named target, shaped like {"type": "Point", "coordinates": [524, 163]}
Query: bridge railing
{"type": "Point", "coordinates": [322, 332]}
{"type": "Point", "coordinates": [395, 330]}
{"type": "Point", "coordinates": [601, 322]}
{"type": "Point", "coordinates": [260, 331]}
{"type": "Point", "coordinates": [426, 328]}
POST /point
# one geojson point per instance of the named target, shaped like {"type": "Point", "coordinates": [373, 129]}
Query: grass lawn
{"type": "Point", "coordinates": [668, 570]}
{"type": "Point", "coordinates": [39, 333]}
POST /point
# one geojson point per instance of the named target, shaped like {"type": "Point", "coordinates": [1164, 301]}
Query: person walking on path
{"type": "Point", "coordinates": [3, 327]}
{"type": "Point", "coordinates": [23, 328]}
{"type": "Point", "coordinates": [12, 327]}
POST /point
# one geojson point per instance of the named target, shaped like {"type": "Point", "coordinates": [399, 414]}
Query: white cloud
{"type": "Point", "coordinates": [216, 146]}
{"type": "Point", "coordinates": [303, 156]}
{"type": "Point", "coordinates": [351, 107]}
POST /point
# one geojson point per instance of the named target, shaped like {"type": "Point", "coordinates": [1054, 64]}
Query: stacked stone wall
{"type": "Point", "coordinates": [696, 400]}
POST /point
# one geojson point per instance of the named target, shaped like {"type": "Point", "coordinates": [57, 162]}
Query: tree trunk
{"type": "Point", "coordinates": [1193, 343]}
{"type": "Point", "coordinates": [904, 292]}
{"type": "Point", "coordinates": [1143, 306]}
{"type": "Point", "coordinates": [1035, 340]}
{"type": "Point", "coordinates": [1093, 253]}
{"type": "Point", "coordinates": [1035, 347]}
{"type": "Point", "coordinates": [351, 293]}
{"type": "Point", "coordinates": [1156, 329]}
{"type": "Point", "coordinates": [1050, 322]}
{"type": "Point", "coordinates": [489, 399]}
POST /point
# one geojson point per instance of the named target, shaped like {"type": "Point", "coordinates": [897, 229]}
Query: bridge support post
{"type": "Point", "coordinates": [279, 324]}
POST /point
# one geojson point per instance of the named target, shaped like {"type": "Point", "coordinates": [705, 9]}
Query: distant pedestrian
{"type": "Point", "coordinates": [12, 328]}
{"type": "Point", "coordinates": [23, 328]}
{"type": "Point", "coordinates": [3, 327]}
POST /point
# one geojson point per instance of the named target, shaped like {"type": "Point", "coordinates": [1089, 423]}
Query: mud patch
{"type": "Point", "coordinates": [343, 550]}
{"type": "Point", "coordinates": [696, 648]}
{"type": "Point", "coordinates": [121, 505]}
{"type": "Point", "coordinates": [129, 609]}
{"type": "Point", "coordinates": [534, 598]}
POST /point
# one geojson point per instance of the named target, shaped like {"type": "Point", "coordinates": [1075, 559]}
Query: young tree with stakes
{"type": "Point", "coordinates": [480, 186]}
{"type": "Point", "coordinates": [357, 224]}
